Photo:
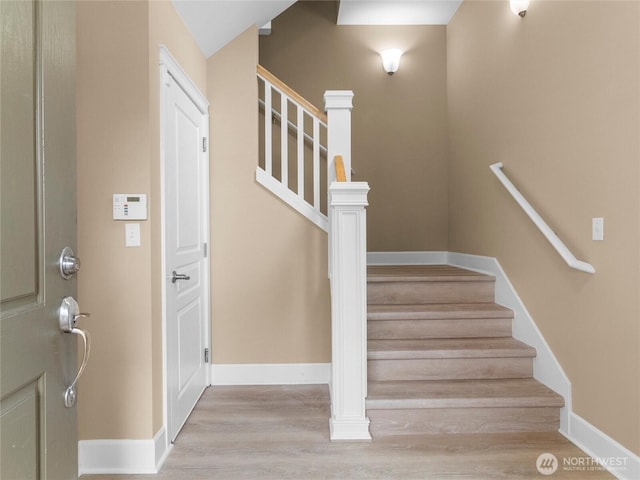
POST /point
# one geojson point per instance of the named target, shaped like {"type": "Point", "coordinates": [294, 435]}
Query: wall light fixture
{"type": "Point", "coordinates": [391, 60]}
{"type": "Point", "coordinates": [519, 7]}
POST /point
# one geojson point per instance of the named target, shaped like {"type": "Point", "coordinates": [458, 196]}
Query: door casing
{"type": "Point", "coordinates": [169, 66]}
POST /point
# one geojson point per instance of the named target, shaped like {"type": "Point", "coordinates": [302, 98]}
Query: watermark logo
{"type": "Point", "coordinates": [547, 464]}
{"type": "Point", "coordinates": [589, 464]}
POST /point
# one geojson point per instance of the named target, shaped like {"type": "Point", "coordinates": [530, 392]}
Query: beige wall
{"type": "Point", "coordinates": [555, 97]}
{"type": "Point", "coordinates": [399, 126]}
{"type": "Point", "coordinates": [270, 298]}
{"type": "Point", "coordinates": [113, 157]}
{"type": "Point", "coordinates": [118, 152]}
{"type": "Point", "coordinates": [568, 138]}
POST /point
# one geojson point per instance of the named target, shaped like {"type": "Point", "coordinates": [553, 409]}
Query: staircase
{"type": "Point", "coordinates": [441, 358]}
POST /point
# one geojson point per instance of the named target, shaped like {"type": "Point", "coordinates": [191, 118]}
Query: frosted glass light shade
{"type": "Point", "coordinates": [519, 7]}
{"type": "Point", "coordinates": [391, 60]}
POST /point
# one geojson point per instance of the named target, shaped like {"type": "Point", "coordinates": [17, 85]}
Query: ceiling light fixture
{"type": "Point", "coordinates": [391, 60]}
{"type": "Point", "coordinates": [519, 7]}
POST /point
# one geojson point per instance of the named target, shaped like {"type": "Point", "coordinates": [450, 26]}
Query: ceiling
{"type": "Point", "coordinates": [413, 12]}
{"type": "Point", "coordinates": [213, 23]}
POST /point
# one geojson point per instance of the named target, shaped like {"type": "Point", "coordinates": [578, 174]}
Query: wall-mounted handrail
{"type": "Point", "coordinates": [550, 235]}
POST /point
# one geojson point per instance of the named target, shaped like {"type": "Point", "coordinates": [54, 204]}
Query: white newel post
{"type": "Point", "coordinates": [348, 274]}
{"type": "Point", "coordinates": [338, 105]}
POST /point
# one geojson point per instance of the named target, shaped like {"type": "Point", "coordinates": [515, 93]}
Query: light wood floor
{"type": "Point", "coordinates": [282, 432]}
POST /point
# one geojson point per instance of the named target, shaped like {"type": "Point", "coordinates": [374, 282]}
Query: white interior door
{"type": "Point", "coordinates": [186, 235]}
{"type": "Point", "coordinates": [38, 434]}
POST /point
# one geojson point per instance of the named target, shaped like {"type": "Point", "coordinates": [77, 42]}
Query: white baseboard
{"type": "Point", "coordinates": [349, 429]}
{"type": "Point", "coordinates": [546, 368]}
{"type": "Point", "coordinates": [271, 374]}
{"type": "Point", "coordinates": [619, 461]}
{"type": "Point", "coordinates": [123, 456]}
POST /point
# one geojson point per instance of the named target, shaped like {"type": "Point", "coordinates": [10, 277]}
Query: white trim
{"type": "Point", "coordinates": [123, 456]}
{"type": "Point", "coordinates": [603, 448]}
{"type": "Point", "coordinates": [163, 447]}
{"type": "Point", "coordinates": [407, 258]}
{"type": "Point", "coordinates": [338, 105]}
{"type": "Point", "coordinates": [190, 88]}
{"type": "Point", "coordinates": [348, 274]}
{"type": "Point", "coordinates": [338, 99]}
{"type": "Point", "coordinates": [349, 430]}
{"type": "Point", "coordinates": [271, 374]}
{"type": "Point", "coordinates": [290, 198]}
{"type": "Point", "coordinates": [168, 66]}
{"type": "Point", "coordinates": [546, 368]}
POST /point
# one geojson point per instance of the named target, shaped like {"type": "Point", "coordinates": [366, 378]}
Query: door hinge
{"type": "Point", "coordinates": [206, 355]}
{"type": "Point", "coordinates": [205, 250]}
{"type": "Point", "coordinates": [204, 144]}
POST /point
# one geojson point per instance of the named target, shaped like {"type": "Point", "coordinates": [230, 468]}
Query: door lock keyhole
{"type": "Point", "coordinates": [68, 262]}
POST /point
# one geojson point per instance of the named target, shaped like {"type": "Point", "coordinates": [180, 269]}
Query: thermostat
{"type": "Point", "coordinates": [129, 206]}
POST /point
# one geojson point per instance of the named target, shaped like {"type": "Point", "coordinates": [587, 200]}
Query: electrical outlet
{"type": "Point", "coordinates": [597, 228]}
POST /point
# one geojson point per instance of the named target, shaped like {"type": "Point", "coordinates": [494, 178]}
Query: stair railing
{"type": "Point", "coordinates": [347, 276]}
{"type": "Point", "coordinates": [344, 222]}
{"type": "Point", "coordinates": [297, 121]}
{"type": "Point", "coordinates": [549, 234]}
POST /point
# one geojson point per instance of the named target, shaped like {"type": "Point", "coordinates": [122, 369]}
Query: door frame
{"type": "Point", "coordinates": [170, 67]}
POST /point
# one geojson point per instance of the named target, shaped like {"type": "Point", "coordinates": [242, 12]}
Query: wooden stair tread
{"type": "Point", "coordinates": [423, 273]}
{"type": "Point", "coordinates": [430, 311]}
{"type": "Point", "coordinates": [461, 394]}
{"type": "Point", "coordinates": [448, 348]}
{"type": "Point", "coordinates": [442, 359]}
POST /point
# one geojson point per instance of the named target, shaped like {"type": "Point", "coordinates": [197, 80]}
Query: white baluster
{"type": "Point", "coordinates": [300, 126]}
{"type": "Point", "coordinates": [284, 140]}
{"type": "Point", "coordinates": [316, 163]}
{"type": "Point", "coordinates": [268, 112]}
{"type": "Point", "coordinates": [305, 112]}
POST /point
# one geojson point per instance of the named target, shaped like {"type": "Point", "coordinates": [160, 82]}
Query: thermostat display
{"type": "Point", "coordinates": [129, 206]}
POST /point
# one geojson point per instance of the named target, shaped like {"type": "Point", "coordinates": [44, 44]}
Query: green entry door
{"type": "Point", "coordinates": [38, 219]}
